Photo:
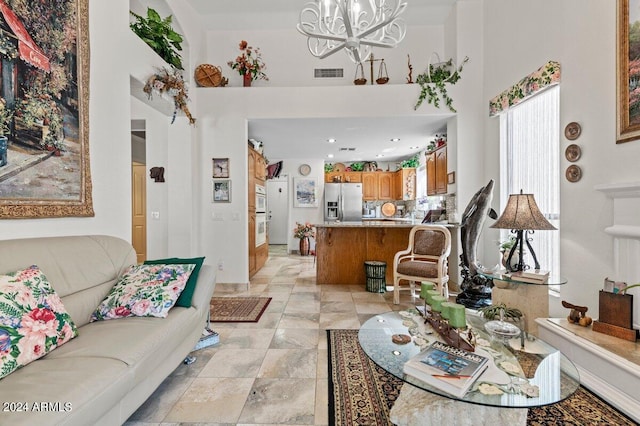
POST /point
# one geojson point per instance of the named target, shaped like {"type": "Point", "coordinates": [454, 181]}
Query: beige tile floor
{"type": "Point", "coordinates": [273, 371]}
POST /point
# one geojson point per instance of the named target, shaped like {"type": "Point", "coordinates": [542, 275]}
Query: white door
{"type": "Point", "coordinates": [278, 211]}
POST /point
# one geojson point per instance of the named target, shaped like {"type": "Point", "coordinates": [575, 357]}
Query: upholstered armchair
{"type": "Point", "coordinates": [425, 259]}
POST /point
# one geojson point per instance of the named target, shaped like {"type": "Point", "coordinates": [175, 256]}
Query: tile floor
{"type": "Point", "coordinates": [273, 371]}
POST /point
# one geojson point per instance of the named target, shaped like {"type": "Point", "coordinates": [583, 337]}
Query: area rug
{"type": "Point", "coordinates": [361, 393]}
{"type": "Point", "coordinates": [238, 309]}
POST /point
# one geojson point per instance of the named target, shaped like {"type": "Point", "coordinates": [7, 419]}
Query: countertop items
{"type": "Point", "coordinates": [380, 223]}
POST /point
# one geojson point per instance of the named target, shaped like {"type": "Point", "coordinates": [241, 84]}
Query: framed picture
{"type": "Point", "coordinates": [451, 178]}
{"type": "Point", "coordinates": [628, 67]}
{"type": "Point", "coordinates": [305, 192]}
{"type": "Point", "coordinates": [222, 191]}
{"type": "Point", "coordinates": [220, 167]}
{"type": "Point", "coordinates": [44, 121]}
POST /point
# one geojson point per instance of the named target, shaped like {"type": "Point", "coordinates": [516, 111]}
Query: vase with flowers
{"type": "Point", "coordinates": [304, 232]}
{"type": "Point", "coordinates": [249, 64]}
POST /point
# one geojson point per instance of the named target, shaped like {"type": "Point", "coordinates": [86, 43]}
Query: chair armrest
{"type": "Point", "coordinates": [204, 287]}
{"type": "Point", "coordinates": [401, 255]}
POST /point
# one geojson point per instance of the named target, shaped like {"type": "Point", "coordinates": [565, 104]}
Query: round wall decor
{"type": "Point", "coordinates": [304, 169]}
{"type": "Point", "coordinates": [573, 173]}
{"type": "Point", "coordinates": [572, 131]}
{"type": "Point", "coordinates": [573, 152]}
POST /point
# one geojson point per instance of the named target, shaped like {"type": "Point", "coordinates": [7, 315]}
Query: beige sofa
{"type": "Point", "coordinates": [102, 376]}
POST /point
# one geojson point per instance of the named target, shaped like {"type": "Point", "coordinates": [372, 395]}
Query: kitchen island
{"type": "Point", "coordinates": [343, 247]}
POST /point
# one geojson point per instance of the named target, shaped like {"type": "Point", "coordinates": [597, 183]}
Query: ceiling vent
{"type": "Point", "coordinates": [346, 149]}
{"type": "Point", "coordinates": [328, 73]}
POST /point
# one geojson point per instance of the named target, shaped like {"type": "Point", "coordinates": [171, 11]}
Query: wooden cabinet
{"type": "Point", "coordinates": [437, 171]}
{"type": "Point", "coordinates": [256, 174]}
{"type": "Point", "coordinates": [405, 184]}
{"type": "Point", "coordinates": [385, 186]}
{"type": "Point", "coordinates": [383, 243]}
{"type": "Point", "coordinates": [370, 186]}
{"type": "Point", "coordinates": [343, 177]}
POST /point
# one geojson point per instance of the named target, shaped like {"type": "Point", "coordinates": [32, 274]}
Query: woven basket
{"type": "Point", "coordinates": [207, 75]}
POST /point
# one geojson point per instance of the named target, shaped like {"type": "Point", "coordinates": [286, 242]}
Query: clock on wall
{"type": "Point", "coordinates": [220, 167]}
{"type": "Point", "coordinates": [304, 169]}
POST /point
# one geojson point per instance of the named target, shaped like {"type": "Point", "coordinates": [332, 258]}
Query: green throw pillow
{"type": "Point", "coordinates": [187, 294]}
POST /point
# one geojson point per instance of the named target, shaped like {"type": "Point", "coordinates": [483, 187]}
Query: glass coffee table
{"type": "Point", "coordinates": [517, 377]}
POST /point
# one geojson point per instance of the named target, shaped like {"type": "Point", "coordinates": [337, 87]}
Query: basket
{"type": "Point", "coordinates": [207, 75]}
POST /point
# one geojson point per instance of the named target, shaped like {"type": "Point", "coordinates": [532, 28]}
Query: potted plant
{"type": "Point", "coordinates": [411, 162]}
{"type": "Point", "coordinates": [249, 64]}
{"type": "Point", "coordinates": [304, 232]}
{"type": "Point", "coordinates": [159, 35]}
{"type": "Point", "coordinates": [433, 83]}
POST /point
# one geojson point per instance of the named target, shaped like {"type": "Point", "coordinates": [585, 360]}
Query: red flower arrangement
{"type": "Point", "coordinates": [249, 62]}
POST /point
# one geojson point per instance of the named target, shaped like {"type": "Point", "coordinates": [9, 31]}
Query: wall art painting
{"type": "Point", "coordinates": [628, 67]}
{"type": "Point", "coordinates": [305, 192]}
{"type": "Point", "coordinates": [44, 117]}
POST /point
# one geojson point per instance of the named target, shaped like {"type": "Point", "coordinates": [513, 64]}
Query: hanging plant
{"type": "Point", "coordinates": [159, 35]}
{"type": "Point", "coordinates": [171, 83]}
{"type": "Point", "coordinates": [433, 83]}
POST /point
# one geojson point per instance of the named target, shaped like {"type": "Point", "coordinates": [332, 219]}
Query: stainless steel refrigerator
{"type": "Point", "coordinates": [343, 202]}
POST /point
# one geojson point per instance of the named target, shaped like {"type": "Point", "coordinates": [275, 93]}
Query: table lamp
{"type": "Point", "coordinates": [522, 216]}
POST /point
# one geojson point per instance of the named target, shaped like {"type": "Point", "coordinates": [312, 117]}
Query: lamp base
{"type": "Point", "coordinates": [521, 239]}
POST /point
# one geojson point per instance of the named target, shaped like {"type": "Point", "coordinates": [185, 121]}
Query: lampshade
{"type": "Point", "coordinates": [522, 212]}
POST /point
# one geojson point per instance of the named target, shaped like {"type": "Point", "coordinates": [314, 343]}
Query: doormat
{"type": "Point", "coordinates": [238, 309]}
{"type": "Point", "coordinates": [362, 393]}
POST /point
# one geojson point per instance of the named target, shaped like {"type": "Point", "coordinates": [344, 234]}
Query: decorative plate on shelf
{"type": "Point", "coordinates": [572, 131]}
{"type": "Point", "coordinates": [304, 169]}
{"type": "Point", "coordinates": [339, 167]}
{"type": "Point", "coordinates": [573, 173]}
{"type": "Point", "coordinates": [573, 152]}
{"type": "Point", "coordinates": [388, 209]}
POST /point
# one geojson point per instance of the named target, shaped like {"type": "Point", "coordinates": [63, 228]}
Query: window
{"type": "Point", "coordinates": [530, 160]}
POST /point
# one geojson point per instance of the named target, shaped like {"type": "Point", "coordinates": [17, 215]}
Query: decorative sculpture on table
{"type": "Point", "coordinates": [476, 288]}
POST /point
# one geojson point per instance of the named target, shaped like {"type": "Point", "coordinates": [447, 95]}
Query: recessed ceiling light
{"type": "Point", "coordinates": [395, 140]}
{"type": "Point", "coordinates": [379, 155]}
{"type": "Point", "coordinates": [329, 155]}
{"type": "Point", "coordinates": [331, 140]}
{"type": "Point", "coordinates": [414, 147]}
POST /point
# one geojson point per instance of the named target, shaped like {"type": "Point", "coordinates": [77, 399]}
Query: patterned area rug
{"type": "Point", "coordinates": [238, 309]}
{"type": "Point", "coordinates": [361, 393]}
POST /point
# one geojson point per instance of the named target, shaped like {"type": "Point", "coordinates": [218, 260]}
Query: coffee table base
{"type": "Point", "coordinates": [416, 407]}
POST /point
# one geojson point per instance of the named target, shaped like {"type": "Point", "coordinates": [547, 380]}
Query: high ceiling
{"type": "Point", "coordinates": [307, 138]}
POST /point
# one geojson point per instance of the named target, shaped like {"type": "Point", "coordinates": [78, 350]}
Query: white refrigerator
{"type": "Point", "coordinates": [343, 202]}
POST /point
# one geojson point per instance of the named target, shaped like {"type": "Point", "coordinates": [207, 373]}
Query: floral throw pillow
{"type": "Point", "coordinates": [33, 320]}
{"type": "Point", "coordinates": [144, 291]}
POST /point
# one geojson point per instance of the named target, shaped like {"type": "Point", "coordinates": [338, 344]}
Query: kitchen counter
{"type": "Point", "coordinates": [343, 247]}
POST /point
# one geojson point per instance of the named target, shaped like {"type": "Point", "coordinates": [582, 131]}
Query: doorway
{"type": "Point", "coordinates": [138, 190]}
{"type": "Point", "coordinates": [278, 211]}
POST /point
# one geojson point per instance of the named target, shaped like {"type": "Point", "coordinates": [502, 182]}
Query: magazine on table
{"type": "Point", "coordinates": [446, 367]}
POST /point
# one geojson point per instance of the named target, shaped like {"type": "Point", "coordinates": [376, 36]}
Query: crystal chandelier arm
{"type": "Point", "coordinates": [332, 51]}
{"type": "Point", "coordinates": [388, 21]}
{"type": "Point", "coordinates": [319, 35]}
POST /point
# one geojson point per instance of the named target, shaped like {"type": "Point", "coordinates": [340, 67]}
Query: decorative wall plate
{"type": "Point", "coordinates": [339, 167]}
{"type": "Point", "coordinates": [573, 173]}
{"type": "Point", "coordinates": [573, 152]}
{"type": "Point", "coordinates": [572, 131]}
{"type": "Point", "coordinates": [388, 209]}
{"type": "Point", "coordinates": [304, 169]}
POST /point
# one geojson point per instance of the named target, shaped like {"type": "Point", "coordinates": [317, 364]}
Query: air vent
{"type": "Point", "coordinates": [328, 73]}
{"type": "Point", "coordinates": [346, 149]}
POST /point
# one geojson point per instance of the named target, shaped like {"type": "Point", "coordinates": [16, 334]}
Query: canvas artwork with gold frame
{"type": "Point", "coordinates": [628, 70]}
{"type": "Point", "coordinates": [45, 104]}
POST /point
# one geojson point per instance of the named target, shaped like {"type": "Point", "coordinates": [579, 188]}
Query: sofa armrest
{"type": "Point", "coordinates": [204, 287]}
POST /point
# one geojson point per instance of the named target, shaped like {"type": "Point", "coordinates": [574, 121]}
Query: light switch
{"type": "Point", "coordinates": [155, 215]}
{"type": "Point", "coordinates": [236, 216]}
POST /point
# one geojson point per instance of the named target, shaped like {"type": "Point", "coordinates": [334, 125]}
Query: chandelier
{"type": "Point", "coordinates": [353, 25]}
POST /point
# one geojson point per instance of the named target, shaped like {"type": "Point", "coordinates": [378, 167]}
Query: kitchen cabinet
{"type": "Point", "coordinates": [256, 173]}
{"type": "Point", "coordinates": [343, 177]}
{"type": "Point", "coordinates": [437, 171]}
{"type": "Point", "coordinates": [385, 186]}
{"type": "Point", "coordinates": [370, 186]}
{"type": "Point", "coordinates": [405, 184]}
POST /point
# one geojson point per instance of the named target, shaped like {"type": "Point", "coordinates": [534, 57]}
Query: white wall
{"type": "Point", "coordinates": [581, 35]}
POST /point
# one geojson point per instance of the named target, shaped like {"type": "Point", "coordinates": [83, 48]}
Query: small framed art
{"type": "Point", "coordinates": [305, 192]}
{"type": "Point", "coordinates": [451, 178]}
{"type": "Point", "coordinates": [220, 167]}
{"type": "Point", "coordinates": [222, 191]}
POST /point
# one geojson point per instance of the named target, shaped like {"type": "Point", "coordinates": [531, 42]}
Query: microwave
{"type": "Point", "coordinates": [261, 199]}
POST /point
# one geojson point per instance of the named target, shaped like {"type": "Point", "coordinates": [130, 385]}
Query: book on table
{"type": "Point", "coordinates": [528, 277]}
{"type": "Point", "coordinates": [535, 273]}
{"type": "Point", "coordinates": [447, 368]}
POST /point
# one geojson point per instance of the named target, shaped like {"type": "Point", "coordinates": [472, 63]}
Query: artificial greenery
{"type": "Point", "coordinates": [432, 83]}
{"type": "Point", "coordinates": [411, 162]}
{"type": "Point", "coordinates": [492, 312]}
{"type": "Point", "coordinates": [159, 35]}
{"type": "Point", "coordinates": [357, 166]}
{"type": "Point", "coordinates": [328, 167]}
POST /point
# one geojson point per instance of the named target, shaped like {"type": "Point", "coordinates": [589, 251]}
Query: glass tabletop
{"type": "Point", "coordinates": [539, 364]}
{"type": "Point", "coordinates": [506, 279]}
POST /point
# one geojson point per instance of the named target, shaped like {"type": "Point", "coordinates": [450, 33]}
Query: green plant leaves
{"type": "Point", "coordinates": [159, 35]}
{"type": "Point", "coordinates": [432, 83]}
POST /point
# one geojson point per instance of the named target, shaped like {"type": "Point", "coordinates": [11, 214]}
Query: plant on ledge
{"type": "Point", "coordinates": [172, 83]}
{"type": "Point", "coordinates": [432, 83]}
{"type": "Point", "coordinates": [249, 62]}
{"type": "Point", "coordinates": [159, 35]}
